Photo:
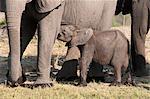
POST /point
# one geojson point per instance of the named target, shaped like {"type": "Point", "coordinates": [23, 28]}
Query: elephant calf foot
{"type": "Point", "coordinates": [115, 83]}
{"type": "Point", "coordinates": [130, 83]}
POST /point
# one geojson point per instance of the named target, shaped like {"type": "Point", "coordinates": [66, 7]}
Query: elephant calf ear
{"type": "Point", "coordinates": [73, 53]}
{"type": "Point", "coordinates": [82, 37]}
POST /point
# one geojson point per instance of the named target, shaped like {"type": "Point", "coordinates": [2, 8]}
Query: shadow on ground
{"type": "Point", "coordinates": [29, 68]}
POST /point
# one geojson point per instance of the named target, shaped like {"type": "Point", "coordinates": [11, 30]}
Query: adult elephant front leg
{"type": "Point", "coordinates": [14, 9]}
{"type": "Point", "coordinates": [48, 29]}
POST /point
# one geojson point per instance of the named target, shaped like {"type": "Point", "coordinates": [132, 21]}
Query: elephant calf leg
{"type": "Point", "coordinates": [86, 59]}
{"type": "Point", "coordinates": [117, 81]}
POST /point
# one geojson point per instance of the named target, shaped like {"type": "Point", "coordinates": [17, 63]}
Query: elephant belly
{"type": "Point", "coordinates": [105, 45]}
{"type": "Point", "coordinates": [103, 56]}
{"type": "Point", "coordinates": [89, 13]}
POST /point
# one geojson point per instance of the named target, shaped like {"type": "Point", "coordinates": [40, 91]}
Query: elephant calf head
{"type": "Point", "coordinates": [74, 37]}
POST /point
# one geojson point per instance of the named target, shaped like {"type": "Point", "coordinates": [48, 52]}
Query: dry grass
{"type": "Point", "coordinates": [67, 91]}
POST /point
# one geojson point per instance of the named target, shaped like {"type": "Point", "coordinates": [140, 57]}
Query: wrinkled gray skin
{"type": "Point", "coordinates": [96, 12]}
{"type": "Point", "coordinates": [23, 18]}
{"type": "Point", "coordinates": [108, 47]}
{"type": "Point", "coordinates": [140, 15]}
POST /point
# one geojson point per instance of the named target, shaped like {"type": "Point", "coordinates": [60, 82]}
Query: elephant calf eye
{"type": "Point", "coordinates": [64, 30]}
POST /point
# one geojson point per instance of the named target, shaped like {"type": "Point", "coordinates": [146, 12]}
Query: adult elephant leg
{"type": "Point", "coordinates": [48, 29]}
{"type": "Point", "coordinates": [14, 9]}
{"type": "Point", "coordinates": [107, 14]}
{"type": "Point", "coordinates": [138, 34]}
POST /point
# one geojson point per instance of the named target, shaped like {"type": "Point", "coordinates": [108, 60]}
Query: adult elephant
{"type": "Point", "coordinates": [140, 16]}
{"type": "Point", "coordinates": [22, 22]}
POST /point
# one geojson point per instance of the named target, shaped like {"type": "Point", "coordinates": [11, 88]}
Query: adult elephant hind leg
{"type": "Point", "coordinates": [138, 34]}
{"type": "Point", "coordinates": [14, 9]}
{"type": "Point", "coordinates": [48, 28]}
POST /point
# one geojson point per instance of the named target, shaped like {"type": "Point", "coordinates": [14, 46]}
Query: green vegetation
{"type": "Point", "coordinates": [121, 20]}
{"type": "Point", "coordinates": [2, 23]}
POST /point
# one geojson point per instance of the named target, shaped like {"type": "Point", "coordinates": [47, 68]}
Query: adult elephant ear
{"type": "Point", "coordinates": [43, 6]}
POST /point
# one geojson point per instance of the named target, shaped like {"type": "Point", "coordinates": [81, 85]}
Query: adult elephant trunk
{"type": "Point", "coordinates": [14, 9]}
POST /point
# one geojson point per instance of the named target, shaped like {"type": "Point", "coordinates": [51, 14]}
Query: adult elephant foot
{"type": "Point", "coordinates": [19, 82]}
{"type": "Point", "coordinates": [40, 82]}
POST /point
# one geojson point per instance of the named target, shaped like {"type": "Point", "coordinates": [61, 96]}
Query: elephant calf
{"type": "Point", "coordinates": [107, 47]}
